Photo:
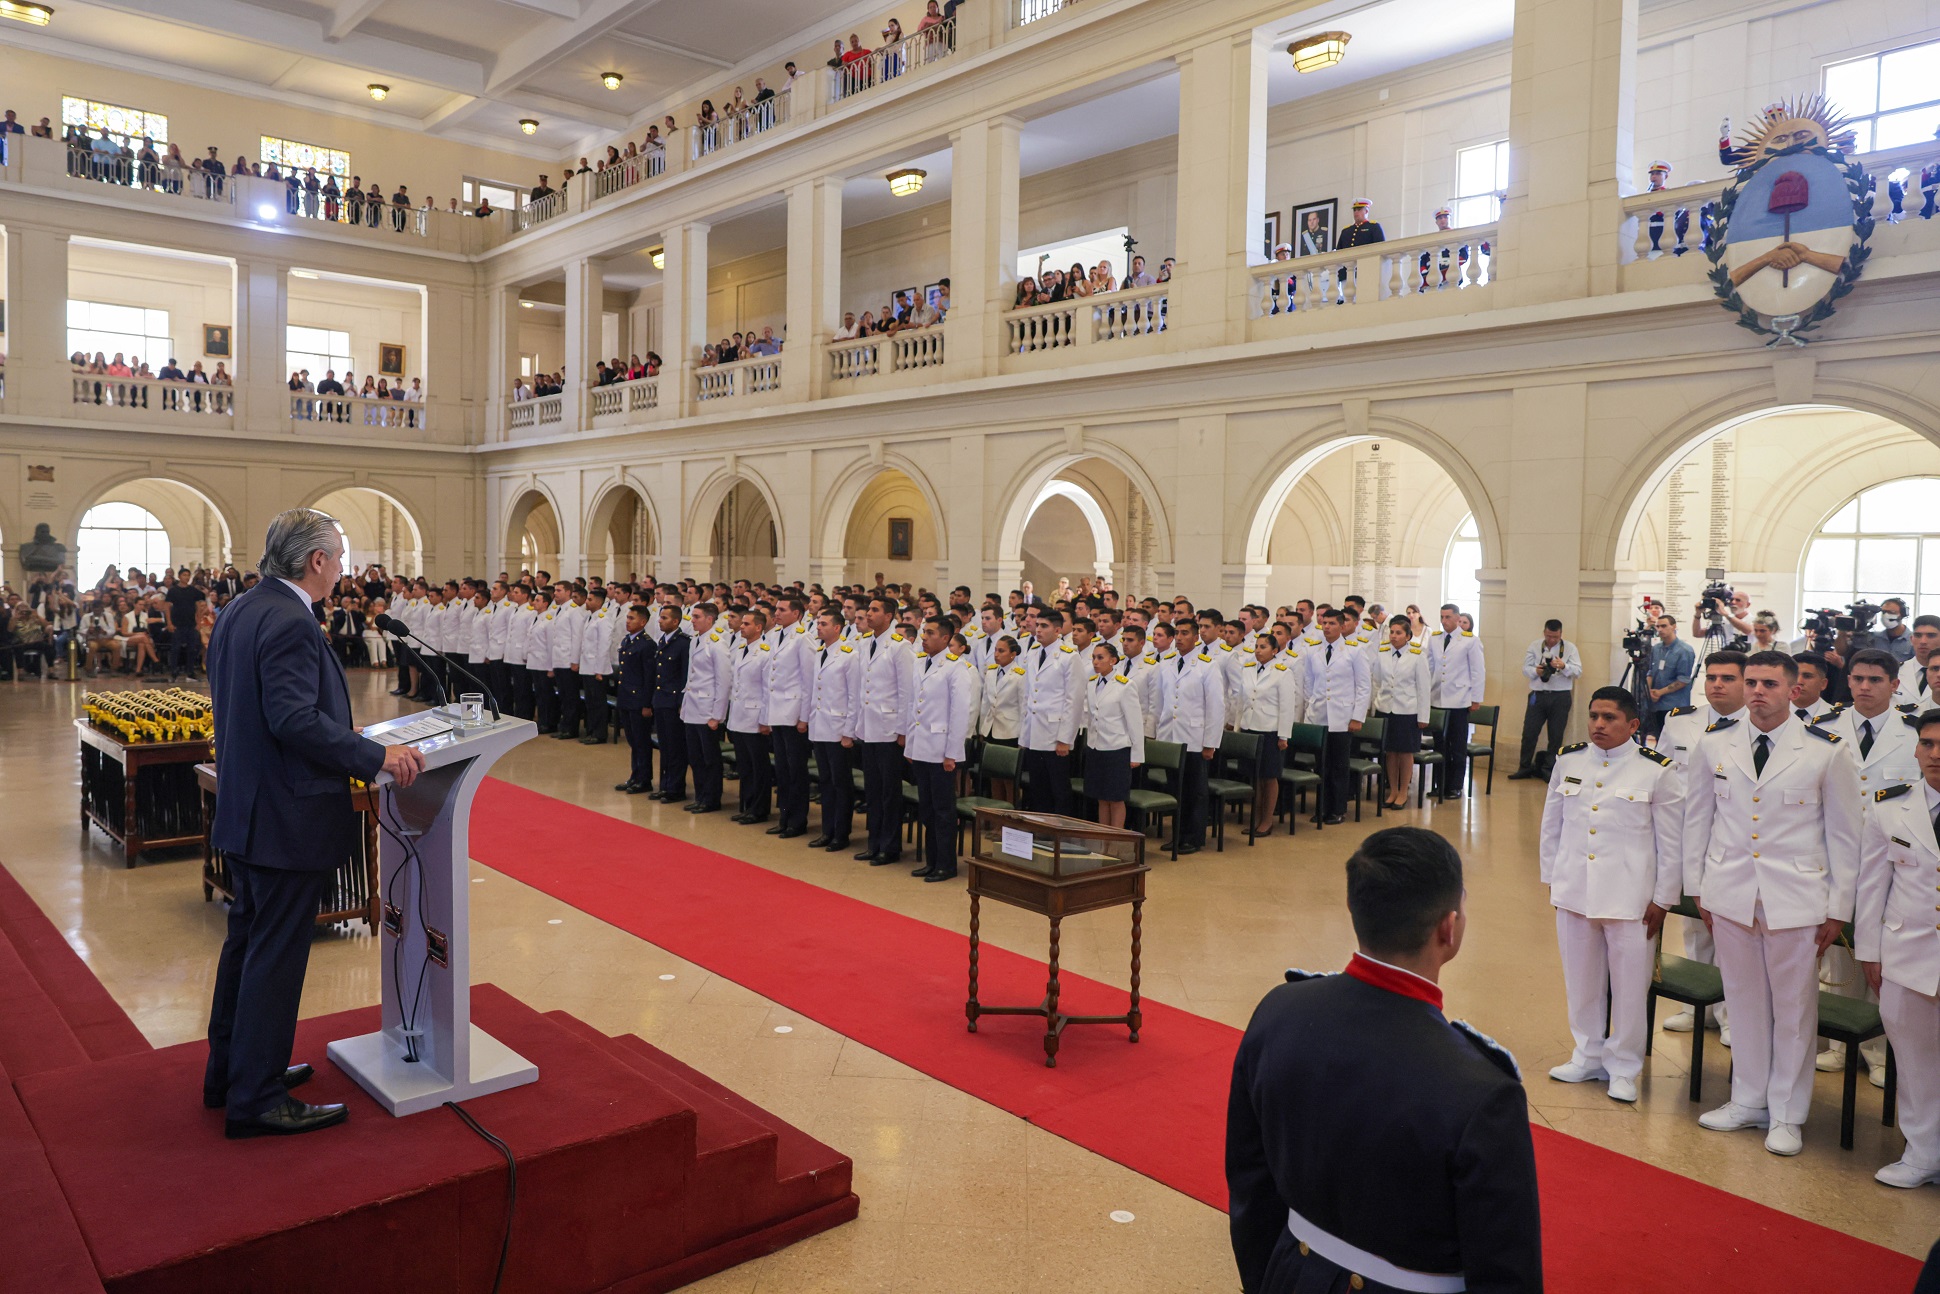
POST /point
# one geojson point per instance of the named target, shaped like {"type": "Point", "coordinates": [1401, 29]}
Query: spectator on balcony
{"type": "Point", "coordinates": [148, 164]}
{"type": "Point", "coordinates": [414, 396]}
{"type": "Point", "coordinates": [942, 302]}
{"type": "Point", "coordinates": [213, 174]}
{"type": "Point", "coordinates": [9, 126]}
{"type": "Point", "coordinates": [312, 192]}
{"type": "Point", "coordinates": [333, 199]}
{"type": "Point", "coordinates": [400, 208]}
{"type": "Point", "coordinates": [484, 208]}
{"type": "Point", "coordinates": [118, 366]}
{"type": "Point", "coordinates": [761, 91]}
{"type": "Point", "coordinates": [373, 205]}
{"type": "Point", "coordinates": [293, 194]}
{"type": "Point", "coordinates": [1027, 294]}
{"type": "Point", "coordinates": [331, 405]}
{"type": "Point", "coordinates": [922, 314]}
{"type": "Point", "coordinates": [709, 357]}
{"type": "Point", "coordinates": [1165, 269]}
{"type": "Point", "coordinates": [451, 209]}
{"type": "Point", "coordinates": [855, 53]}
{"type": "Point", "coordinates": [1136, 277]}
{"type": "Point", "coordinates": [765, 344]}
{"type": "Point", "coordinates": [104, 156]}
{"type": "Point", "coordinates": [1076, 282]}
{"type": "Point", "coordinates": [221, 377]}
{"type": "Point", "coordinates": [171, 372]}
{"type": "Point", "coordinates": [173, 167]}
{"type": "Point", "coordinates": [1102, 279]}
{"type": "Point", "coordinates": [613, 157]}
{"type": "Point", "coordinates": [848, 330]}
{"type": "Point", "coordinates": [839, 52]}
{"type": "Point", "coordinates": [540, 190]}
{"type": "Point", "coordinates": [932, 17]}
{"type": "Point", "coordinates": [354, 201]}
{"type": "Point", "coordinates": [729, 350]}
{"type": "Point", "coordinates": [521, 391]}
{"type": "Point", "coordinates": [789, 69]}
{"type": "Point", "coordinates": [241, 167]}
{"type": "Point", "coordinates": [653, 364]}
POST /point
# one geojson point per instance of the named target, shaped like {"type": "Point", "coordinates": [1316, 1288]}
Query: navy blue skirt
{"type": "Point", "coordinates": [1108, 773]}
{"type": "Point", "coordinates": [1271, 760]}
{"type": "Point", "coordinates": [1402, 735]}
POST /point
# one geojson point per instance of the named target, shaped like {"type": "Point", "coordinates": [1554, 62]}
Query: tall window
{"type": "Point", "coordinates": [504, 196]}
{"type": "Point", "coordinates": [137, 333]}
{"type": "Point", "coordinates": [126, 124]}
{"type": "Point", "coordinates": [1892, 98]}
{"type": "Point", "coordinates": [1461, 584]}
{"type": "Point", "coordinates": [1884, 543]}
{"type": "Point", "coordinates": [1481, 175]}
{"type": "Point", "coordinates": [289, 154]}
{"type": "Point", "coordinates": [1105, 245]}
{"type": "Point", "coordinates": [320, 350]}
{"type": "Point", "coordinates": [121, 535]}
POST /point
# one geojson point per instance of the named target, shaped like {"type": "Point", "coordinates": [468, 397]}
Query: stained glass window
{"type": "Point", "coordinates": [288, 154]}
{"type": "Point", "coordinates": [127, 125]}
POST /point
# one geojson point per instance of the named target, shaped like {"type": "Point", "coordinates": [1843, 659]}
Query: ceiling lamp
{"type": "Point", "coordinates": [26, 11]}
{"type": "Point", "coordinates": [907, 182]}
{"type": "Point", "coordinates": [659, 258]}
{"type": "Point", "coordinates": [526, 305]}
{"type": "Point", "coordinates": [530, 125]}
{"type": "Point", "coordinates": [611, 80]}
{"type": "Point", "coordinates": [379, 92]}
{"type": "Point", "coordinates": [1311, 53]}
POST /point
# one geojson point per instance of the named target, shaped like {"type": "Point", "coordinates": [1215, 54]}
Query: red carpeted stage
{"type": "Point", "coordinates": [1611, 1224]}
{"type": "Point", "coordinates": [636, 1173]}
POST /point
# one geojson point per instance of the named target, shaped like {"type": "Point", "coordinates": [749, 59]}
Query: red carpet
{"type": "Point", "coordinates": [1610, 1223]}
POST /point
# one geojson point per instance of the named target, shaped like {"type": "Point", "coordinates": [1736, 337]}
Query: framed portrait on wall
{"type": "Point", "coordinates": [1313, 227]}
{"type": "Point", "coordinates": [215, 340]}
{"type": "Point", "coordinates": [1271, 234]}
{"type": "Point", "coordinates": [932, 293]}
{"type": "Point", "coordinates": [390, 359]}
{"type": "Point", "coordinates": [901, 532]}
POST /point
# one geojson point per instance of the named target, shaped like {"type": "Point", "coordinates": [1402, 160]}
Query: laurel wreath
{"type": "Point", "coordinates": [1862, 223]}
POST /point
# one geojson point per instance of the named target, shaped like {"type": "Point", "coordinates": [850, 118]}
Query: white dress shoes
{"type": "Point", "coordinates": [1731, 1116]}
{"type": "Point", "coordinates": [1784, 1139]}
{"type": "Point", "coordinates": [1906, 1176]}
{"type": "Point", "coordinates": [1831, 1060]}
{"type": "Point", "coordinates": [1571, 1072]}
{"type": "Point", "coordinates": [1623, 1089]}
{"type": "Point", "coordinates": [1683, 1022]}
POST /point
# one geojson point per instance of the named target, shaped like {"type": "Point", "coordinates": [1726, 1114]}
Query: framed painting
{"type": "Point", "coordinates": [390, 359]}
{"type": "Point", "coordinates": [1270, 234]}
{"type": "Point", "coordinates": [901, 534]}
{"type": "Point", "coordinates": [215, 340]}
{"type": "Point", "coordinates": [1313, 227]}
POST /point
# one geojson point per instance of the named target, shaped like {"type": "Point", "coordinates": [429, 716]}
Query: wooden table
{"type": "Point", "coordinates": [1056, 898]}
{"type": "Point", "coordinates": [141, 794]}
{"type": "Point", "coordinates": [353, 894]}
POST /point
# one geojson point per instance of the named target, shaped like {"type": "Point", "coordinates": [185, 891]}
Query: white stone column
{"type": "Point", "coordinates": [260, 340]}
{"type": "Point", "coordinates": [585, 297]}
{"type": "Point", "coordinates": [814, 284]}
{"type": "Point", "coordinates": [1222, 189]}
{"type": "Point", "coordinates": [449, 365]}
{"type": "Point", "coordinates": [966, 533]}
{"type": "Point", "coordinates": [983, 242]}
{"type": "Point", "coordinates": [1572, 110]}
{"type": "Point", "coordinates": [1198, 509]}
{"type": "Point", "coordinates": [37, 371]}
{"type": "Point", "coordinates": [683, 307]}
{"type": "Point", "coordinates": [502, 361]}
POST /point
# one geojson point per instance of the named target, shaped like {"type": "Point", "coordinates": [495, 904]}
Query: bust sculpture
{"type": "Point", "coordinates": [43, 553]}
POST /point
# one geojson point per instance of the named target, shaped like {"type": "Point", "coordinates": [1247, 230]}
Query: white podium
{"type": "Point", "coordinates": [424, 940]}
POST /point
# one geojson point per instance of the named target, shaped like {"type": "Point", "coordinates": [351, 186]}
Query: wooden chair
{"type": "Point", "coordinates": [1365, 762]}
{"type": "Point", "coordinates": [1484, 716]}
{"type": "Point", "coordinates": [1237, 751]}
{"type": "Point", "coordinates": [1302, 772]}
{"type": "Point", "coordinates": [1695, 984]}
{"type": "Point", "coordinates": [1853, 1020]}
{"type": "Point", "coordinates": [1163, 760]}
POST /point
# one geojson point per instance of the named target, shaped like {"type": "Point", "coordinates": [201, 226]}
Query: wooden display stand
{"type": "Point", "coordinates": [353, 892]}
{"type": "Point", "coordinates": [1056, 867]}
{"type": "Point", "coordinates": [140, 794]}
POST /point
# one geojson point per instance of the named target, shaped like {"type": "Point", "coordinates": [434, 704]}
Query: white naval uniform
{"type": "Point", "coordinates": [1899, 870]}
{"type": "Point", "coordinates": [1337, 685]}
{"type": "Point", "coordinates": [599, 650]}
{"type": "Point", "coordinates": [1401, 682]}
{"type": "Point", "coordinates": [1000, 713]}
{"type": "Point", "coordinates": [1609, 850]}
{"type": "Point", "coordinates": [1455, 663]}
{"type": "Point", "coordinates": [748, 684]}
{"type": "Point", "coordinates": [1113, 720]}
{"type": "Point", "coordinates": [886, 683]}
{"type": "Point", "coordinates": [791, 674]}
{"type": "Point", "coordinates": [709, 680]}
{"type": "Point", "coordinates": [833, 707]}
{"type": "Point", "coordinates": [940, 710]}
{"type": "Point", "coordinates": [1817, 711]}
{"type": "Point", "coordinates": [1053, 695]}
{"type": "Point", "coordinates": [518, 633]}
{"type": "Point", "coordinates": [1913, 686]}
{"type": "Point", "coordinates": [1192, 703]}
{"type": "Point", "coordinates": [498, 624]}
{"type": "Point", "coordinates": [1771, 855]}
{"type": "Point", "coordinates": [1269, 697]}
{"type": "Point", "coordinates": [1678, 739]}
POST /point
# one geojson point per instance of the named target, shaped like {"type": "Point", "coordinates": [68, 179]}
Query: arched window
{"type": "Point", "coordinates": [1460, 582]}
{"type": "Point", "coordinates": [121, 535]}
{"type": "Point", "coordinates": [1884, 543]}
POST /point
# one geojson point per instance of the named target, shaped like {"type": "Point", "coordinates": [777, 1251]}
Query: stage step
{"type": "Point", "coordinates": [45, 1253]}
{"type": "Point", "coordinates": [34, 1037]}
{"type": "Point", "coordinates": [97, 1021]}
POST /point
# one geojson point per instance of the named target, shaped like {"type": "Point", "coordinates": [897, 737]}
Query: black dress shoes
{"type": "Point", "coordinates": [628, 787]}
{"type": "Point", "coordinates": [941, 874]}
{"type": "Point", "coordinates": [706, 808]}
{"type": "Point", "coordinates": [598, 740]}
{"type": "Point", "coordinates": [791, 833]}
{"type": "Point", "coordinates": [1183, 850]}
{"type": "Point", "coordinates": [775, 830]}
{"type": "Point", "coordinates": [836, 846]}
{"type": "Point", "coordinates": [819, 842]}
{"type": "Point", "coordinates": [1522, 774]}
{"type": "Point", "coordinates": [1333, 820]}
{"type": "Point", "coordinates": [923, 872]}
{"type": "Point", "coordinates": [741, 817]}
{"type": "Point", "coordinates": [286, 1120]}
{"type": "Point", "coordinates": [636, 790]}
{"type": "Point", "coordinates": [294, 1076]}
{"type": "Point", "coordinates": [885, 860]}
{"type": "Point", "coordinates": [866, 856]}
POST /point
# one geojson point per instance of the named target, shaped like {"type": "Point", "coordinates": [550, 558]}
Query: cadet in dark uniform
{"type": "Point", "coordinates": [1371, 1144]}
{"type": "Point", "coordinates": [637, 660]}
{"type": "Point", "coordinates": [669, 686]}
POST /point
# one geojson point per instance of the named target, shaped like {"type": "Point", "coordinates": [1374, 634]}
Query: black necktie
{"type": "Point", "coordinates": [1936, 829]}
{"type": "Point", "coordinates": [1803, 712]}
{"type": "Point", "coordinates": [927, 662]}
{"type": "Point", "coordinates": [1865, 738]}
{"type": "Point", "coordinates": [872, 649]}
{"type": "Point", "coordinates": [824, 654]}
{"type": "Point", "coordinates": [1760, 750]}
{"type": "Point", "coordinates": [1445, 639]}
{"type": "Point", "coordinates": [1330, 653]}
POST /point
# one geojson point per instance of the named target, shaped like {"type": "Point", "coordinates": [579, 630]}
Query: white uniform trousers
{"type": "Point", "coordinates": [1600, 956]}
{"type": "Point", "coordinates": [1913, 1026]}
{"type": "Point", "coordinates": [1840, 973]}
{"type": "Point", "coordinates": [1771, 984]}
{"type": "Point", "coordinates": [1699, 947]}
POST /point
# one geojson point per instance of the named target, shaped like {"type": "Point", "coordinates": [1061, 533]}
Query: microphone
{"type": "Point", "coordinates": [397, 628]}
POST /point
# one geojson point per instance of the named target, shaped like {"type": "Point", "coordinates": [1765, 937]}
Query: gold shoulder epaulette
{"type": "Point", "coordinates": [1573, 747]}
{"type": "Point", "coordinates": [1823, 735]}
{"type": "Point", "coordinates": [1655, 756]}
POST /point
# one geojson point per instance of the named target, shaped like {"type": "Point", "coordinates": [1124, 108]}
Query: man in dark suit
{"type": "Point", "coordinates": [283, 819]}
{"type": "Point", "coordinates": [1370, 1143]}
{"type": "Point", "coordinates": [669, 686]}
{"type": "Point", "coordinates": [635, 700]}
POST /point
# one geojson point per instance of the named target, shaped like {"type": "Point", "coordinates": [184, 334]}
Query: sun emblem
{"type": "Point", "coordinates": [1791, 230]}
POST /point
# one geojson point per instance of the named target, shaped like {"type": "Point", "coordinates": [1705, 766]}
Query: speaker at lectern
{"type": "Point", "coordinates": [429, 1051]}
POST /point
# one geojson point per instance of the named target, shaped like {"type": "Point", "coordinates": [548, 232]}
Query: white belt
{"type": "Point", "coordinates": [1354, 1259]}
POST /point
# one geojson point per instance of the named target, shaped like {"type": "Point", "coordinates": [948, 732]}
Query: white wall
{"type": "Point", "coordinates": [193, 291]}
{"type": "Point", "coordinates": [370, 314]}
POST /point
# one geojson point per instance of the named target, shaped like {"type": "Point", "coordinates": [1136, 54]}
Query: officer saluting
{"type": "Point", "coordinates": [1370, 1144]}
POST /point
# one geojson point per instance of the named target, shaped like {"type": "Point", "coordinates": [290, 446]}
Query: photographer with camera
{"type": "Point", "coordinates": [1721, 605]}
{"type": "Point", "coordinates": [1552, 666]}
{"type": "Point", "coordinates": [1892, 637]}
{"type": "Point", "coordinates": [1667, 678]}
{"type": "Point", "coordinates": [1913, 674]}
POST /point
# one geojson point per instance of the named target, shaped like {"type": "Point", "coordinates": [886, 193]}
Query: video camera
{"type": "Point", "coordinates": [1715, 592]}
{"type": "Point", "coordinates": [1823, 625]}
{"type": "Point", "coordinates": [1637, 641]}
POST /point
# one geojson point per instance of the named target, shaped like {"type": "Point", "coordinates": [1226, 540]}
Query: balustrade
{"type": "Point", "coordinates": [540, 411]}
{"type": "Point", "coordinates": [919, 49]}
{"type": "Point", "coordinates": [642, 395]}
{"type": "Point", "coordinates": [539, 210]}
{"type": "Point", "coordinates": [1029, 11]}
{"type": "Point", "coordinates": [1139, 312]}
{"type": "Point", "coordinates": [1446, 260]}
{"type": "Point", "coordinates": [908, 351]}
{"type": "Point", "coordinates": [150, 395]}
{"type": "Point", "coordinates": [744, 377]}
{"type": "Point", "coordinates": [356, 411]}
{"type": "Point", "coordinates": [731, 126]}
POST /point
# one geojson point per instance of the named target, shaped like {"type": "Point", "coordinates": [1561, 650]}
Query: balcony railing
{"type": "Point", "coordinates": [355, 411]}
{"type": "Point", "coordinates": [629, 172]}
{"type": "Point", "coordinates": [1443, 261]}
{"type": "Point", "coordinates": [1088, 320]}
{"type": "Point", "coordinates": [744, 377]}
{"type": "Point", "coordinates": [918, 49]}
{"type": "Point", "coordinates": [539, 210]}
{"type": "Point", "coordinates": [642, 395]}
{"type": "Point", "coordinates": [903, 352]}
{"type": "Point", "coordinates": [124, 170]}
{"type": "Point", "coordinates": [540, 411]}
{"type": "Point", "coordinates": [1028, 11]}
{"type": "Point", "coordinates": [150, 395]}
{"type": "Point", "coordinates": [732, 126]}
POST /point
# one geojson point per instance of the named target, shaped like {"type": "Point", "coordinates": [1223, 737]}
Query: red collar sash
{"type": "Point", "coordinates": [1394, 980]}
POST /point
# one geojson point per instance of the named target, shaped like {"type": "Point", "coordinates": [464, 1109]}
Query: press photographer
{"type": "Point", "coordinates": [1718, 606]}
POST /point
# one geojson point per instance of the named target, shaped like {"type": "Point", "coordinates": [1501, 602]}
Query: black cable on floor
{"type": "Point", "coordinates": [511, 1184]}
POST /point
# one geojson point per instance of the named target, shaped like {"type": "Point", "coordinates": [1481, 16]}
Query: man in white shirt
{"type": "Point", "coordinates": [834, 713]}
{"type": "Point", "coordinates": [790, 687]}
{"type": "Point", "coordinates": [598, 657]}
{"type": "Point", "coordinates": [1455, 664]}
{"type": "Point", "coordinates": [703, 707]}
{"type": "Point", "coordinates": [847, 331]}
{"type": "Point", "coordinates": [1192, 712]}
{"type": "Point", "coordinates": [568, 624]}
{"type": "Point", "coordinates": [1338, 690]}
{"type": "Point", "coordinates": [884, 689]}
{"type": "Point", "coordinates": [747, 721]}
{"type": "Point", "coordinates": [1552, 666]}
{"type": "Point", "coordinates": [1054, 678]}
{"type": "Point", "coordinates": [938, 724]}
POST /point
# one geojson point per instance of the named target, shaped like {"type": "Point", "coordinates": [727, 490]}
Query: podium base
{"type": "Point", "coordinates": [403, 1087]}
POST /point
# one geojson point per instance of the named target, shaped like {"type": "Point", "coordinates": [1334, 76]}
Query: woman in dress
{"type": "Point", "coordinates": [1078, 283]}
{"type": "Point", "coordinates": [1114, 736]}
{"type": "Point", "coordinates": [1400, 687]}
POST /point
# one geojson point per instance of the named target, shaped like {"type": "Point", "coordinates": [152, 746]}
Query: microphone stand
{"type": "Point", "coordinates": [419, 661]}
{"type": "Point", "coordinates": [396, 625]}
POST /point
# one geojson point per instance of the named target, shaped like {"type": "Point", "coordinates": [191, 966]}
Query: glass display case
{"type": "Point", "coordinates": [1052, 846]}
